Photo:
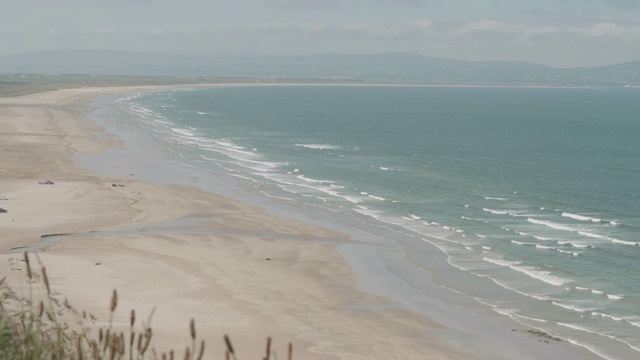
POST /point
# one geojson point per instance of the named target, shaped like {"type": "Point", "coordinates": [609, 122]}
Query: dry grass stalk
{"type": "Point", "coordinates": [201, 352]}
{"type": "Point", "coordinates": [107, 339]}
{"type": "Point", "coordinates": [139, 343]}
{"type": "Point", "coordinates": [41, 309]}
{"type": "Point", "coordinates": [147, 341]}
{"type": "Point", "coordinates": [26, 260]}
{"type": "Point", "coordinates": [268, 355]}
{"type": "Point", "coordinates": [290, 353]}
{"type": "Point", "coordinates": [46, 280]}
{"type": "Point", "coordinates": [49, 337]}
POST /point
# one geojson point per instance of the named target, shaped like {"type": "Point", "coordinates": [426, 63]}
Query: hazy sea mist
{"type": "Point", "coordinates": [534, 192]}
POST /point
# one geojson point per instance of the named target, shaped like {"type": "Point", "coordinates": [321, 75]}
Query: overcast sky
{"type": "Point", "coordinates": [561, 33]}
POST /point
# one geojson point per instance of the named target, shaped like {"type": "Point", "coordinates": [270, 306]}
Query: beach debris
{"type": "Point", "coordinates": [2, 197]}
{"type": "Point", "coordinates": [46, 182]}
{"type": "Point", "coordinates": [543, 335]}
{"type": "Point", "coordinates": [118, 185]}
{"type": "Point", "coordinates": [3, 210]}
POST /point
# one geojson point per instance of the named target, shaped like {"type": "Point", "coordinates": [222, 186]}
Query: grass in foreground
{"type": "Point", "coordinates": [38, 325]}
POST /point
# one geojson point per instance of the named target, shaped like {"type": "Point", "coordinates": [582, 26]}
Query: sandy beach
{"type": "Point", "coordinates": [187, 253]}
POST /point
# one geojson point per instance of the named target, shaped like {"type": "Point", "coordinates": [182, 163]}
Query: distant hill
{"type": "Point", "coordinates": [384, 67]}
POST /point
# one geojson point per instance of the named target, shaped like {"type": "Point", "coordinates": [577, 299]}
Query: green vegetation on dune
{"type": "Point", "coordinates": [24, 84]}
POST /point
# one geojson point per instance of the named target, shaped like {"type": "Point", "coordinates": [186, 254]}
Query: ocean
{"type": "Point", "coordinates": [528, 198]}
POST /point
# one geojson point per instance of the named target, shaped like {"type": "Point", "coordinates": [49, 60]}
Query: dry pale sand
{"type": "Point", "coordinates": [184, 252]}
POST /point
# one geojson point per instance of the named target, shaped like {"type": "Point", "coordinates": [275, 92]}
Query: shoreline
{"type": "Point", "coordinates": [310, 287]}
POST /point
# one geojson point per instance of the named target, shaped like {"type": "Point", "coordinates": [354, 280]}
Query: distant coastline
{"type": "Point", "coordinates": [24, 84]}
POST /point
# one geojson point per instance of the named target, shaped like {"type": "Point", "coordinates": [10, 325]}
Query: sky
{"type": "Point", "coordinates": [558, 33]}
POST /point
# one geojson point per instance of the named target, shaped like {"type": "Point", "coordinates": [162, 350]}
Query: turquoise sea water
{"type": "Point", "coordinates": [534, 191]}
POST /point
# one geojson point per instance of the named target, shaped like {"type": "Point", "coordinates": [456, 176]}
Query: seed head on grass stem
{"type": "Point", "coordinates": [147, 341]}
{"type": "Point", "coordinates": [114, 301]}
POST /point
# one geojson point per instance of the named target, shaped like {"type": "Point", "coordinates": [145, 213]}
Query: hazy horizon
{"type": "Point", "coordinates": [564, 33]}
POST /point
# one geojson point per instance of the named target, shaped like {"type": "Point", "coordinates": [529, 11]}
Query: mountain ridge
{"type": "Point", "coordinates": [403, 67]}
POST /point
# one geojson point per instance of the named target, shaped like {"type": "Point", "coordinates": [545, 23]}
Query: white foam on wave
{"type": "Point", "coordinates": [591, 348]}
{"type": "Point", "coordinates": [613, 240]}
{"type": "Point", "coordinates": [614, 318]}
{"type": "Point", "coordinates": [225, 147]}
{"type": "Point", "coordinates": [530, 318]}
{"type": "Point", "coordinates": [575, 244]}
{"type": "Point", "coordinates": [615, 297]}
{"type": "Point", "coordinates": [591, 235]}
{"type": "Point", "coordinates": [572, 307]}
{"type": "Point", "coordinates": [495, 198]}
{"type": "Point", "coordinates": [593, 291]}
{"type": "Point", "coordinates": [318, 146]}
{"type": "Point", "coordinates": [635, 323]}
{"type": "Point", "coordinates": [551, 225]}
{"type": "Point", "coordinates": [574, 253]}
{"type": "Point", "coordinates": [496, 212]}
{"type": "Point", "coordinates": [314, 181]}
{"type": "Point", "coordinates": [576, 216]}
{"type": "Point", "coordinates": [542, 247]}
{"type": "Point", "coordinates": [592, 331]}
{"type": "Point", "coordinates": [544, 276]}
{"type": "Point", "coordinates": [521, 242]}
{"type": "Point", "coordinates": [380, 198]}
{"type": "Point", "coordinates": [241, 158]}
{"type": "Point", "coordinates": [303, 186]}
{"type": "Point", "coordinates": [514, 289]}
{"type": "Point", "coordinates": [184, 132]}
